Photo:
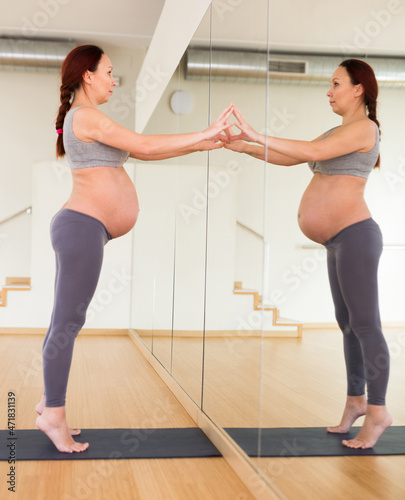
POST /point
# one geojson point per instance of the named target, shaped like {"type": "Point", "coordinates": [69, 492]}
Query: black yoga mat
{"type": "Point", "coordinates": [191, 442]}
{"type": "Point", "coordinates": [188, 442]}
{"type": "Point", "coordinates": [313, 442]}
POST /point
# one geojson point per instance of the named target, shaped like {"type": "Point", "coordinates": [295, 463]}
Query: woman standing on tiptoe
{"type": "Point", "coordinates": [333, 212]}
{"type": "Point", "coordinates": [103, 205]}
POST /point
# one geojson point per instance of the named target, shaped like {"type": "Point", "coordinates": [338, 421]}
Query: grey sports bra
{"type": "Point", "coordinates": [357, 164]}
{"type": "Point", "coordinates": [82, 154]}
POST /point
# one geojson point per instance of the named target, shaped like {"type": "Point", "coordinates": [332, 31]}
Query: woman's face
{"type": "Point", "coordinates": [343, 95]}
{"type": "Point", "coordinates": [102, 81]}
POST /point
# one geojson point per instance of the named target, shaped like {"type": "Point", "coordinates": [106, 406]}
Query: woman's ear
{"type": "Point", "coordinates": [87, 77]}
{"type": "Point", "coordinates": [359, 90]}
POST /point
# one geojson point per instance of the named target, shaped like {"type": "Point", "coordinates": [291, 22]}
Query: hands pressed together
{"type": "Point", "coordinates": [219, 133]}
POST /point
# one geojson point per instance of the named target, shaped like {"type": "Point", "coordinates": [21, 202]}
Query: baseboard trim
{"type": "Point", "coordinates": [198, 334]}
{"type": "Point", "coordinates": [334, 325]}
{"type": "Point", "coordinates": [237, 459]}
{"type": "Point", "coordinates": [123, 332]}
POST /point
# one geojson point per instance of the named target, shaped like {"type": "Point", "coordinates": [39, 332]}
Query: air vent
{"type": "Point", "coordinates": [283, 66]}
{"type": "Point", "coordinates": [33, 55]}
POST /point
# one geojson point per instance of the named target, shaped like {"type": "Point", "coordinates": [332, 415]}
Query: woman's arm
{"type": "Point", "coordinates": [199, 147]}
{"type": "Point", "coordinates": [357, 136]}
{"type": "Point", "coordinates": [92, 125]}
{"type": "Point", "coordinates": [259, 152]}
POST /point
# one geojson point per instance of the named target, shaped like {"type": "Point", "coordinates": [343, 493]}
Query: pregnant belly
{"type": "Point", "coordinates": [314, 221]}
{"type": "Point", "coordinates": [107, 194]}
{"type": "Point", "coordinates": [330, 204]}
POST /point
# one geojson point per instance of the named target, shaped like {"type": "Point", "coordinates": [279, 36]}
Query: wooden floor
{"type": "Point", "coordinates": [303, 384]}
{"type": "Point", "coordinates": [111, 386]}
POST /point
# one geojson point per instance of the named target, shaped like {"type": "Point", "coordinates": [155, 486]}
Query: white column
{"type": "Point", "coordinates": [176, 26]}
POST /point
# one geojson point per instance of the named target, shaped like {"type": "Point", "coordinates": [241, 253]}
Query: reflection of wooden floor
{"type": "Point", "coordinates": [111, 385]}
{"type": "Point", "coordinates": [303, 385]}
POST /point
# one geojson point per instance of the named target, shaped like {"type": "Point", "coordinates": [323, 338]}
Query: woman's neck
{"type": "Point", "coordinates": [353, 116]}
{"type": "Point", "coordinates": [82, 99]}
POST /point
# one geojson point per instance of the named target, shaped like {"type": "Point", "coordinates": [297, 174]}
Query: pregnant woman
{"type": "Point", "coordinates": [333, 212]}
{"type": "Point", "coordinates": [103, 205]}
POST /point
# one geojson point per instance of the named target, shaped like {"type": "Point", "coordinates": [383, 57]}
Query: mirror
{"type": "Point", "coordinates": [235, 237]}
{"type": "Point", "coordinates": [226, 243]}
{"type": "Point", "coordinates": [169, 311]}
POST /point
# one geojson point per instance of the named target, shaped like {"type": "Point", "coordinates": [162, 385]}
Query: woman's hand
{"type": "Point", "coordinates": [208, 145]}
{"type": "Point", "coordinates": [248, 133]}
{"type": "Point", "coordinates": [230, 143]}
{"type": "Point", "coordinates": [214, 131]}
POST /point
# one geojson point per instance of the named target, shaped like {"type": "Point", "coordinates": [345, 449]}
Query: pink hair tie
{"type": "Point", "coordinates": [59, 131]}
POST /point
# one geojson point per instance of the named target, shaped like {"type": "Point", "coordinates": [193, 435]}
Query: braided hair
{"type": "Point", "coordinates": [77, 62]}
{"type": "Point", "coordinates": [363, 73]}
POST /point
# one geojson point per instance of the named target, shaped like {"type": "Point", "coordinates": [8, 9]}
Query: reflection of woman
{"type": "Point", "coordinates": [333, 212]}
{"type": "Point", "coordinates": [103, 205]}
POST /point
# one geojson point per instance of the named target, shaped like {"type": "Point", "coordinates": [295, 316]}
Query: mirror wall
{"type": "Point", "coordinates": [218, 231]}
{"type": "Point", "coordinates": [170, 241]}
{"type": "Point", "coordinates": [235, 235]}
{"type": "Point", "coordinates": [199, 242]}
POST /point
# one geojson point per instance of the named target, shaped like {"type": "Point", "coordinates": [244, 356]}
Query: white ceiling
{"type": "Point", "coordinates": [300, 25]}
{"type": "Point", "coordinates": [123, 23]}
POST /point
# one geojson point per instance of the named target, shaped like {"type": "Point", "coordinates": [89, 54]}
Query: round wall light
{"type": "Point", "coordinates": [181, 102]}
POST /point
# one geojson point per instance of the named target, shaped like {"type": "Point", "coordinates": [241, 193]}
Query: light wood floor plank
{"type": "Point", "coordinates": [111, 386]}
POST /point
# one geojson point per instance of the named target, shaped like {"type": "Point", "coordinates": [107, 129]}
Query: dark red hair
{"type": "Point", "coordinates": [363, 73]}
{"type": "Point", "coordinates": [77, 62]}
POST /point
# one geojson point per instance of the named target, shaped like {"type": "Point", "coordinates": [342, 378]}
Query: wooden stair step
{"type": "Point", "coordinates": [259, 306]}
{"type": "Point", "coordinates": [14, 284]}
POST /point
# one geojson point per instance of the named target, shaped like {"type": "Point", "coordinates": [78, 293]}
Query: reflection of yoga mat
{"type": "Point", "coordinates": [313, 442]}
{"type": "Point", "coordinates": [111, 443]}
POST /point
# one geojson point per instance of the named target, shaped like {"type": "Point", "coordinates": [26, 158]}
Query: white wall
{"type": "Point", "coordinates": [30, 176]}
{"type": "Point", "coordinates": [111, 303]}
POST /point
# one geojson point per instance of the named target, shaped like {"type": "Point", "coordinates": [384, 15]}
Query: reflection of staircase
{"type": "Point", "coordinates": [258, 306]}
{"type": "Point", "coordinates": [19, 284]}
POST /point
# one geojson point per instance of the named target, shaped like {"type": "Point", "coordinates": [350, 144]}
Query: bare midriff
{"type": "Point", "coordinates": [330, 203]}
{"type": "Point", "coordinates": [108, 194]}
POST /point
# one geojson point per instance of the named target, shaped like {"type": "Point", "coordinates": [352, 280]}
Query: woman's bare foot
{"type": "Point", "coordinates": [53, 423]}
{"type": "Point", "coordinates": [376, 422]}
{"type": "Point", "coordinates": [39, 408]}
{"type": "Point", "coordinates": [355, 407]}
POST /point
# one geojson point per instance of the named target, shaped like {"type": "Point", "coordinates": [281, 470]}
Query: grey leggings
{"type": "Point", "coordinates": [353, 256]}
{"type": "Point", "coordinates": [78, 240]}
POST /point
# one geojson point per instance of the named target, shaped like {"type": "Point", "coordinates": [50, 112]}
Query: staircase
{"type": "Point", "coordinates": [258, 306]}
{"type": "Point", "coordinates": [13, 284]}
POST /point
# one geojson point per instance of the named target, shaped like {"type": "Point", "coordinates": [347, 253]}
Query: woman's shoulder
{"type": "Point", "coordinates": [89, 122]}
{"type": "Point", "coordinates": [87, 113]}
{"type": "Point", "coordinates": [361, 127]}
